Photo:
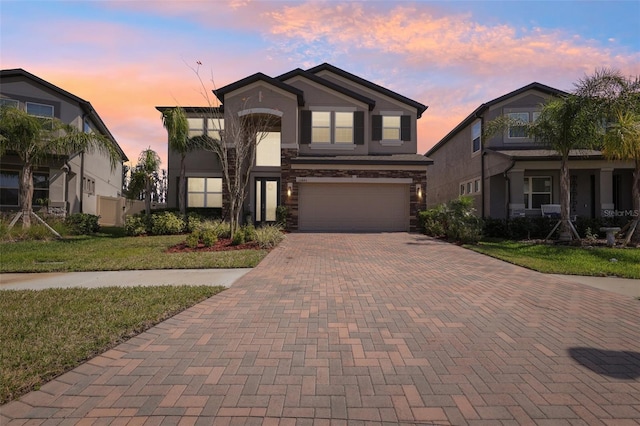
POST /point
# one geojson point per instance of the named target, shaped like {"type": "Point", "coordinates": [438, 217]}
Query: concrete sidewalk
{"type": "Point", "coordinates": [39, 281]}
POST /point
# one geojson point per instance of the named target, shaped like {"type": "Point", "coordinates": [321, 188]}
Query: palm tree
{"type": "Point", "coordinates": [143, 177]}
{"type": "Point", "coordinates": [616, 101]}
{"type": "Point", "coordinates": [36, 139]}
{"type": "Point", "coordinates": [175, 121]}
{"type": "Point", "coordinates": [565, 125]}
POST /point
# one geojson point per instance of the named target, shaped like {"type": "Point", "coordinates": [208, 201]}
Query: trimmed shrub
{"type": "Point", "coordinates": [455, 220]}
{"type": "Point", "coordinates": [193, 222]}
{"type": "Point", "coordinates": [238, 238]}
{"type": "Point", "coordinates": [82, 223]}
{"type": "Point", "coordinates": [249, 232]}
{"type": "Point", "coordinates": [135, 225]}
{"type": "Point", "coordinates": [193, 239]}
{"type": "Point", "coordinates": [282, 212]}
{"type": "Point", "coordinates": [209, 237]}
{"type": "Point", "coordinates": [166, 223]}
{"type": "Point", "coordinates": [269, 236]}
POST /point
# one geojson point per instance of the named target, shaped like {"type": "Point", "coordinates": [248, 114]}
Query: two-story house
{"type": "Point", "coordinates": [80, 183]}
{"type": "Point", "coordinates": [341, 156]}
{"type": "Point", "coordinates": [510, 175]}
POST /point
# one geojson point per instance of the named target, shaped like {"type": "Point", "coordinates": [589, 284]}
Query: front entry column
{"type": "Point", "coordinates": [606, 192]}
{"type": "Point", "coordinates": [516, 192]}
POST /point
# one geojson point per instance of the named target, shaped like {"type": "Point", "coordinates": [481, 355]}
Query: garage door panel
{"type": "Point", "coordinates": [353, 207]}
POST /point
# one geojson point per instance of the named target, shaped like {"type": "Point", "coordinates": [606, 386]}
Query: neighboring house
{"type": "Point", "coordinates": [511, 175]}
{"type": "Point", "coordinates": [80, 183]}
{"type": "Point", "coordinates": [342, 156]}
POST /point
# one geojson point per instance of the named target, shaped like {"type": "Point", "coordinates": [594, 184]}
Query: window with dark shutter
{"type": "Point", "coordinates": [405, 127]}
{"type": "Point", "coordinates": [305, 127]}
{"type": "Point", "coordinates": [376, 128]}
{"type": "Point", "coordinates": [358, 127]}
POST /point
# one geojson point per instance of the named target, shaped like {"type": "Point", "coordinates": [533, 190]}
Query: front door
{"type": "Point", "coordinates": [267, 199]}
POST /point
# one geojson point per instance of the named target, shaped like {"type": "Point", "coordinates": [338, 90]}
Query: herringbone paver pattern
{"type": "Point", "coordinates": [335, 329]}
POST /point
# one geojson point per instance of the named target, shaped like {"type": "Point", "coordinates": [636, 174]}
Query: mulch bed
{"type": "Point", "coordinates": [223, 244]}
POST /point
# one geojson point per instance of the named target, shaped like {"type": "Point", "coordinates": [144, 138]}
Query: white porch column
{"type": "Point", "coordinates": [516, 192]}
{"type": "Point", "coordinates": [606, 191]}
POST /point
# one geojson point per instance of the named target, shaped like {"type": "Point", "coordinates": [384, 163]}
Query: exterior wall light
{"type": "Point", "coordinates": [419, 190]}
{"type": "Point", "coordinates": [289, 189]}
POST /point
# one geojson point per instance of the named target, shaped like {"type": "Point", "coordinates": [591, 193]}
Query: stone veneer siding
{"type": "Point", "coordinates": [289, 176]}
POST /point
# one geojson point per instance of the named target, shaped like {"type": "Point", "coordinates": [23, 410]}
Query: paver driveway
{"type": "Point", "coordinates": [397, 328]}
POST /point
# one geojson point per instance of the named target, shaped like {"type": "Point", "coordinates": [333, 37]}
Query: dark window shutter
{"type": "Point", "coordinates": [376, 128]}
{"type": "Point", "coordinates": [305, 127]}
{"type": "Point", "coordinates": [358, 127]}
{"type": "Point", "coordinates": [405, 127]}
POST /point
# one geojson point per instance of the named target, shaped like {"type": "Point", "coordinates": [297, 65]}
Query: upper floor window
{"type": "Point", "coordinates": [39, 110]}
{"type": "Point", "coordinates": [196, 127]}
{"type": "Point", "coordinates": [343, 128]}
{"type": "Point", "coordinates": [268, 150]}
{"type": "Point", "coordinates": [518, 130]}
{"type": "Point", "coordinates": [9, 102]}
{"type": "Point", "coordinates": [476, 141]}
{"type": "Point", "coordinates": [340, 127]}
{"type": "Point", "coordinates": [391, 128]}
{"type": "Point", "coordinates": [214, 126]}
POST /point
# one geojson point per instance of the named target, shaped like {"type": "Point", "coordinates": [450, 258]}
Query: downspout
{"type": "Point", "coordinates": [482, 174]}
{"type": "Point", "coordinates": [508, 187]}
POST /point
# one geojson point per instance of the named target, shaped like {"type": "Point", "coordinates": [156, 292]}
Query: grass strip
{"type": "Point", "coordinates": [569, 260]}
{"type": "Point", "coordinates": [106, 252]}
{"type": "Point", "coordinates": [48, 332]}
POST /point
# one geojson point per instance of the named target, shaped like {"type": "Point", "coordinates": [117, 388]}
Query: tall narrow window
{"type": "Point", "coordinates": [344, 127]}
{"type": "Point", "coordinates": [476, 130]}
{"type": "Point", "coordinates": [268, 151]}
{"type": "Point", "coordinates": [321, 127]}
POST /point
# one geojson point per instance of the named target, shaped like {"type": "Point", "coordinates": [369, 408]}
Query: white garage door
{"type": "Point", "coordinates": [349, 207]}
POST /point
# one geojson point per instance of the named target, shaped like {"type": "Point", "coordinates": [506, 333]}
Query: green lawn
{"type": "Point", "coordinates": [558, 259]}
{"type": "Point", "coordinates": [113, 252]}
{"type": "Point", "coordinates": [45, 333]}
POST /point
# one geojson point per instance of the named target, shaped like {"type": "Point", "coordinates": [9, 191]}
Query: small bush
{"type": "Point", "coordinates": [495, 228]}
{"type": "Point", "coordinates": [166, 223]}
{"type": "Point", "coordinates": [455, 220]}
{"type": "Point", "coordinates": [82, 223]}
{"type": "Point", "coordinates": [282, 212]}
{"type": "Point", "coordinates": [193, 239]}
{"type": "Point", "coordinates": [238, 238]}
{"type": "Point", "coordinates": [269, 236]}
{"type": "Point", "coordinates": [223, 229]}
{"type": "Point", "coordinates": [249, 232]}
{"type": "Point", "coordinates": [209, 237]}
{"type": "Point", "coordinates": [135, 225]}
{"type": "Point", "coordinates": [193, 222]}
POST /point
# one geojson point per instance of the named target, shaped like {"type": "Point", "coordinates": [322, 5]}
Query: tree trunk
{"type": "Point", "coordinates": [182, 186]}
{"type": "Point", "coordinates": [565, 229]}
{"type": "Point", "coordinates": [147, 197]}
{"type": "Point", "coordinates": [26, 193]}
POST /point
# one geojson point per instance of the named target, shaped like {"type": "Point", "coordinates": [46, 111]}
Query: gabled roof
{"type": "Point", "coordinates": [326, 83]}
{"type": "Point", "coordinates": [221, 92]}
{"type": "Point", "coordinates": [366, 83]}
{"type": "Point", "coordinates": [478, 112]}
{"type": "Point", "coordinates": [84, 105]}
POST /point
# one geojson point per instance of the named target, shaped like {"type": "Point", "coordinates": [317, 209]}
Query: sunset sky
{"type": "Point", "coordinates": [126, 57]}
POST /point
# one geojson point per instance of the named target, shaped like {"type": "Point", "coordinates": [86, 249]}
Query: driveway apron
{"type": "Point", "coordinates": [368, 328]}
